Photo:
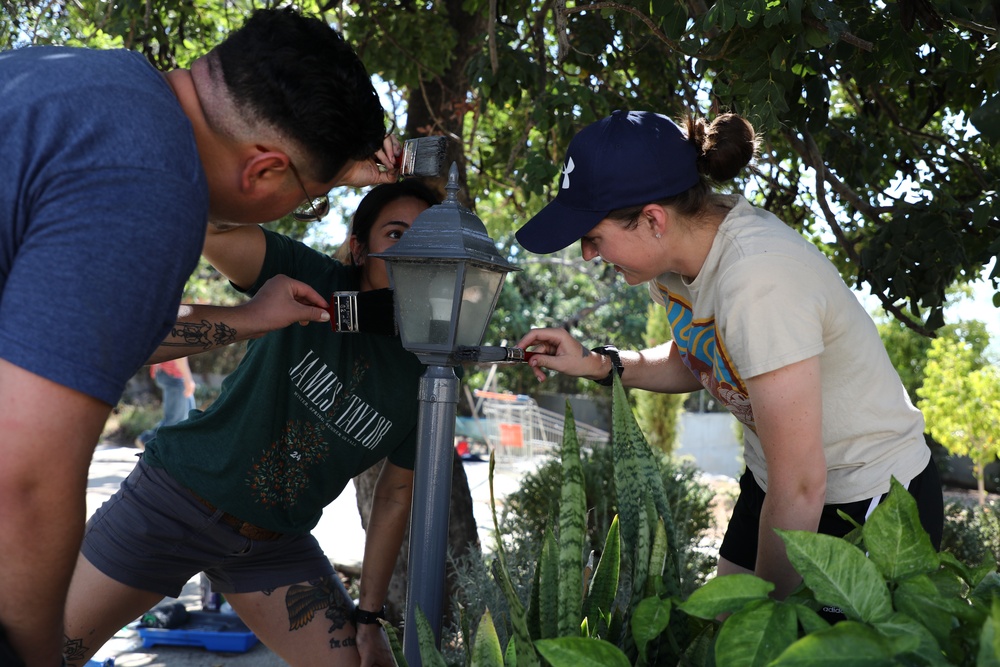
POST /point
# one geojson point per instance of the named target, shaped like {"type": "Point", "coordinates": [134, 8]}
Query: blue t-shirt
{"type": "Point", "coordinates": [103, 206]}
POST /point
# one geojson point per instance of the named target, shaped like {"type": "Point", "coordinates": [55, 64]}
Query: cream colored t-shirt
{"type": "Point", "coordinates": [766, 298]}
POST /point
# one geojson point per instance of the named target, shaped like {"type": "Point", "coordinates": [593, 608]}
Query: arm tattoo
{"type": "Point", "coordinates": [73, 649]}
{"type": "Point", "coordinates": [200, 334]}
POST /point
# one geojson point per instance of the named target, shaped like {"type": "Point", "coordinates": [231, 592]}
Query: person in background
{"type": "Point", "coordinates": [235, 490]}
{"type": "Point", "coordinates": [759, 317]}
{"type": "Point", "coordinates": [107, 159]}
{"type": "Point", "coordinates": [177, 386]}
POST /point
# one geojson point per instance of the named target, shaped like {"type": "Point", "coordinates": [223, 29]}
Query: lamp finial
{"type": "Point", "coordinates": [452, 187]}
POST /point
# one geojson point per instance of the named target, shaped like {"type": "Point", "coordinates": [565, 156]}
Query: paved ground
{"type": "Point", "coordinates": [339, 533]}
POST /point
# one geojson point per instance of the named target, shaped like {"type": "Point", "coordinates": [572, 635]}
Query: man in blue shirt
{"type": "Point", "coordinates": [111, 171]}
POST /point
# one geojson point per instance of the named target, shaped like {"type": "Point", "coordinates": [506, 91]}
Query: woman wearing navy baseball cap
{"type": "Point", "coordinates": [759, 317]}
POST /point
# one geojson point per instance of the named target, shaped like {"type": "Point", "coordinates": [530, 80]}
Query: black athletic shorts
{"type": "Point", "coordinates": [739, 546]}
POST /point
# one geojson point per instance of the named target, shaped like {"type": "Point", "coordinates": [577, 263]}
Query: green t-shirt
{"type": "Point", "coordinates": [306, 410]}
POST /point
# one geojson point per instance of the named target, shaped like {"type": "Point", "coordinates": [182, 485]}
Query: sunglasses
{"type": "Point", "coordinates": [313, 208]}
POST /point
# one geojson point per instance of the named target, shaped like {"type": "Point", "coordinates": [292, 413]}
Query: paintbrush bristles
{"type": "Point", "coordinates": [423, 156]}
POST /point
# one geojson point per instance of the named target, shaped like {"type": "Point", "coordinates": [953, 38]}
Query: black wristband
{"type": "Point", "coordinates": [364, 617]}
{"type": "Point", "coordinates": [611, 352]}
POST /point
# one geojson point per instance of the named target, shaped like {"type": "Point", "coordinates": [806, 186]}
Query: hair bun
{"type": "Point", "coordinates": [725, 146]}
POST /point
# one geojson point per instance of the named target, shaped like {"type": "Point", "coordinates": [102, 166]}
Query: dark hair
{"type": "Point", "coordinates": [298, 74]}
{"type": "Point", "coordinates": [381, 196]}
{"type": "Point", "coordinates": [725, 147]}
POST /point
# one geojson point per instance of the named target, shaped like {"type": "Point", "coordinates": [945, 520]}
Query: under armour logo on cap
{"type": "Point", "coordinates": [567, 170]}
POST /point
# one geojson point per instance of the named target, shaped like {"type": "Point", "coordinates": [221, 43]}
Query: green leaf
{"type": "Point", "coordinates": [989, 639]}
{"type": "Point", "coordinates": [572, 530]}
{"type": "Point", "coordinates": [987, 118]}
{"type": "Point", "coordinates": [548, 587]}
{"type": "Point", "coordinates": [649, 619]}
{"type": "Point", "coordinates": [510, 655]}
{"type": "Point", "coordinates": [526, 656]}
{"type": "Point", "coordinates": [581, 652]}
{"type": "Point", "coordinates": [429, 654]}
{"type": "Point", "coordinates": [838, 574]}
{"type": "Point", "coordinates": [756, 635]}
{"type": "Point", "coordinates": [657, 557]}
{"type": "Point", "coordinates": [641, 496]}
{"type": "Point", "coordinates": [726, 594]}
{"type": "Point", "coordinates": [846, 643]}
{"type": "Point", "coordinates": [392, 634]}
{"type": "Point", "coordinates": [486, 649]}
{"type": "Point", "coordinates": [604, 584]}
{"type": "Point", "coordinates": [809, 619]}
{"type": "Point", "coordinates": [919, 598]}
{"type": "Point", "coordinates": [909, 636]}
{"type": "Point", "coordinates": [895, 540]}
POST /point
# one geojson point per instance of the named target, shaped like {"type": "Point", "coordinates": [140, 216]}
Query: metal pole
{"type": "Point", "coordinates": [431, 501]}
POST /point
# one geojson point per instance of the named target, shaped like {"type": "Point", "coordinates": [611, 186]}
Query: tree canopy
{"type": "Point", "coordinates": [879, 120]}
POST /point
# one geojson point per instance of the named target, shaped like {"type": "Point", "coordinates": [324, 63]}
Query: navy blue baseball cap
{"type": "Point", "coordinates": [630, 158]}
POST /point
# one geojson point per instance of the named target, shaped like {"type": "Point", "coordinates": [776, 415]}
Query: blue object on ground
{"type": "Point", "coordinates": [214, 631]}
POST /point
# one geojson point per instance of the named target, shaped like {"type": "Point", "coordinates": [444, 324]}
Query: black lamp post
{"type": "Point", "coordinates": [446, 276]}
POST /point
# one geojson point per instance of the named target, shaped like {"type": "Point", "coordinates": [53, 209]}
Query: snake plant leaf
{"type": "Point", "coordinates": [657, 558]}
{"type": "Point", "coordinates": [572, 530]}
{"type": "Point", "coordinates": [397, 649]}
{"type": "Point", "coordinates": [604, 585]}
{"type": "Point", "coordinates": [638, 481]}
{"type": "Point", "coordinates": [429, 654]}
{"type": "Point", "coordinates": [486, 649]}
{"type": "Point", "coordinates": [548, 587]}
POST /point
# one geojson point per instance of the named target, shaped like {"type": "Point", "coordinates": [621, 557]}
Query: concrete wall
{"type": "Point", "coordinates": [710, 439]}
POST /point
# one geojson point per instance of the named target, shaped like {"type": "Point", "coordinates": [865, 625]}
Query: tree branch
{"type": "Point", "coordinates": [818, 166]}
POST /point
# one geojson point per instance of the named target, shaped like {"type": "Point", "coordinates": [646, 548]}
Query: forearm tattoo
{"type": "Point", "coordinates": [202, 334]}
{"type": "Point", "coordinates": [73, 649]}
{"type": "Point", "coordinates": [322, 594]}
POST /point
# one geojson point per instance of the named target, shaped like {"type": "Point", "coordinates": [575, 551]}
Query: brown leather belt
{"type": "Point", "coordinates": [245, 529]}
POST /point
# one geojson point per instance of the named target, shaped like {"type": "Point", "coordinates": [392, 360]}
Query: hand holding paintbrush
{"type": "Point", "coordinates": [420, 157]}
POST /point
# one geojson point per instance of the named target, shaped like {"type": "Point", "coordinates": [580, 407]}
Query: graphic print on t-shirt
{"type": "Point", "coordinates": [704, 353]}
{"type": "Point", "coordinates": [337, 412]}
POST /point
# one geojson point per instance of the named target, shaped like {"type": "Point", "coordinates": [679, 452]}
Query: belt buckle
{"type": "Point", "coordinates": [344, 312]}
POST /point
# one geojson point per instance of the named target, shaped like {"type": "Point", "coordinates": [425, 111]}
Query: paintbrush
{"type": "Point", "coordinates": [490, 354]}
{"type": "Point", "coordinates": [421, 157]}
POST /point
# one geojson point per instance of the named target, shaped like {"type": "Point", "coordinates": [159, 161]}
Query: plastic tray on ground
{"type": "Point", "coordinates": [215, 631]}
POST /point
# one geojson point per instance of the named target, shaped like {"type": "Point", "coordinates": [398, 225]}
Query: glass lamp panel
{"type": "Point", "coordinates": [425, 295]}
{"type": "Point", "coordinates": [479, 295]}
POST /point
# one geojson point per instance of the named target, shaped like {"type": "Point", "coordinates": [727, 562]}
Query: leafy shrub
{"type": "Point", "coordinates": [529, 510]}
{"type": "Point", "coordinates": [902, 602]}
{"type": "Point", "coordinates": [972, 532]}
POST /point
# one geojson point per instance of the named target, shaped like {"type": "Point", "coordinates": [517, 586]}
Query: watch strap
{"type": "Point", "coordinates": [365, 617]}
{"type": "Point", "coordinates": [611, 352]}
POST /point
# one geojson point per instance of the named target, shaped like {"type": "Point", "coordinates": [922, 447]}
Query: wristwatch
{"type": "Point", "coordinates": [611, 352]}
{"type": "Point", "coordinates": [364, 617]}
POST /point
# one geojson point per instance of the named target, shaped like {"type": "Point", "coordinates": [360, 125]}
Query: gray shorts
{"type": "Point", "coordinates": [154, 535]}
